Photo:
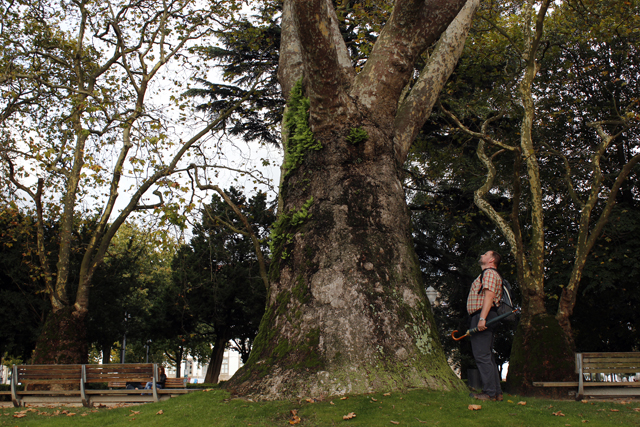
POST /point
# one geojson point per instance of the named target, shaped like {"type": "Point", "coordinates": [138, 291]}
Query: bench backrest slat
{"type": "Point", "coordinates": [43, 374]}
{"type": "Point", "coordinates": [142, 372]}
{"type": "Point", "coordinates": [610, 363]}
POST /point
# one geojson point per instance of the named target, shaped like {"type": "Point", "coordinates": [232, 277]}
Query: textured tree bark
{"type": "Point", "coordinates": [346, 309]}
{"type": "Point", "coordinates": [63, 339]}
{"type": "Point", "coordinates": [215, 364]}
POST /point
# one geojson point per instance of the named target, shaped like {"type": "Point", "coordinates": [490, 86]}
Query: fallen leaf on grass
{"type": "Point", "coordinates": [374, 400]}
{"type": "Point", "coordinates": [19, 415]}
{"type": "Point", "coordinates": [295, 420]}
{"type": "Point", "coordinates": [70, 414]}
{"type": "Point", "coordinates": [395, 422]}
{"type": "Point", "coordinates": [615, 410]}
{"type": "Point", "coordinates": [585, 421]}
{"type": "Point", "coordinates": [558, 414]}
{"type": "Point", "coordinates": [475, 407]}
{"type": "Point", "coordinates": [522, 403]}
{"type": "Point", "coordinates": [331, 402]}
{"type": "Point", "coordinates": [83, 415]}
{"type": "Point", "coordinates": [636, 409]}
{"type": "Point", "coordinates": [584, 401]}
{"type": "Point", "coordinates": [509, 401]}
{"type": "Point", "coordinates": [344, 398]}
{"type": "Point", "coordinates": [160, 412]}
{"type": "Point", "coordinates": [387, 394]}
{"type": "Point", "coordinates": [349, 416]}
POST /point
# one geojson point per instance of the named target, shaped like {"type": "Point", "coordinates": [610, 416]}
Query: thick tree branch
{"type": "Point", "coordinates": [416, 108]}
{"type": "Point", "coordinates": [412, 27]}
{"type": "Point", "coordinates": [325, 58]}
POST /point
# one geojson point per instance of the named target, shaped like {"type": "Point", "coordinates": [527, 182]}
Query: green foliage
{"type": "Point", "coordinates": [248, 51]}
{"type": "Point", "coordinates": [217, 291]}
{"type": "Point", "coordinates": [299, 136]}
{"type": "Point", "coordinates": [24, 304]}
{"type": "Point", "coordinates": [126, 292]}
{"type": "Point", "coordinates": [357, 135]}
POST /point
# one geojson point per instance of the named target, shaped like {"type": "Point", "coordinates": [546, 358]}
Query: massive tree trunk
{"type": "Point", "coordinates": [346, 309]}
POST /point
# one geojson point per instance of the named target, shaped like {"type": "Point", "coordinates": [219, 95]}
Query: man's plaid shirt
{"type": "Point", "coordinates": [490, 281]}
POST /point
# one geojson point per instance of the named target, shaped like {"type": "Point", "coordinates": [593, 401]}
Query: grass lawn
{"type": "Point", "coordinates": [413, 408]}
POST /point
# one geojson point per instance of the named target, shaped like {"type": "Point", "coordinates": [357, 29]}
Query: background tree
{"type": "Point", "coordinates": [218, 274]}
{"type": "Point", "coordinates": [24, 306]}
{"type": "Point", "coordinates": [136, 268]}
{"type": "Point", "coordinates": [573, 117]}
{"type": "Point", "coordinates": [78, 126]}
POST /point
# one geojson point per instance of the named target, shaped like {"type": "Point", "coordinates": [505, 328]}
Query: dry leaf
{"type": "Point", "coordinates": [636, 409]}
{"type": "Point", "coordinates": [160, 412]}
{"type": "Point", "coordinates": [510, 401]}
{"type": "Point", "coordinates": [584, 401]}
{"type": "Point", "coordinates": [19, 415]}
{"type": "Point", "coordinates": [395, 422]}
{"type": "Point", "coordinates": [83, 415]}
{"type": "Point", "coordinates": [349, 416]}
{"type": "Point", "coordinates": [558, 414]}
{"type": "Point", "coordinates": [344, 398]}
{"type": "Point", "coordinates": [374, 400]}
{"type": "Point", "coordinates": [475, 407]}
{"type": "Point", "coordinates": [331, 402]}
{"type": "Point", "coordinates": [522, 403]}
{"type": "Point", "coordinates": [585, 421]}
{"type": "Point", "coordinates": [295, 420]}
{"type": "Point", "coordinates": [387, 394]}
{"type": "Point", "coordinates": [615, 410]}
{"type": "Point", "coordinates": [70, 414]}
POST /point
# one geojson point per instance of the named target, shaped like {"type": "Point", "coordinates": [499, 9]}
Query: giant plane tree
{"type": "Point", "coordinates": [346, 309]}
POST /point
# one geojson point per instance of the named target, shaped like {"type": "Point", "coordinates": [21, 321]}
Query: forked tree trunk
{"type": "Point", "coordinates": [346, 309]}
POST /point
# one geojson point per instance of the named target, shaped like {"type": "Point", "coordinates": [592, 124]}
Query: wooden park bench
{"type": "Point", "coordinates": [594, 364]}
{"type": "Point", "coordinates": [68, 384]}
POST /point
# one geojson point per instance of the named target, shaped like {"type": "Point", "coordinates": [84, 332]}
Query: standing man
{"type": "Point", "coordinates": [484, 297]}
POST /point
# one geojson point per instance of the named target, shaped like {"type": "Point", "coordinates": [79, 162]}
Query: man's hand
{"type": "Point", "coordinates": [487, 302]}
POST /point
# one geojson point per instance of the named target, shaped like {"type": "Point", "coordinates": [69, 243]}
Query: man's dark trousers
{"type": "Point", "coordinates": [482, 346]}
